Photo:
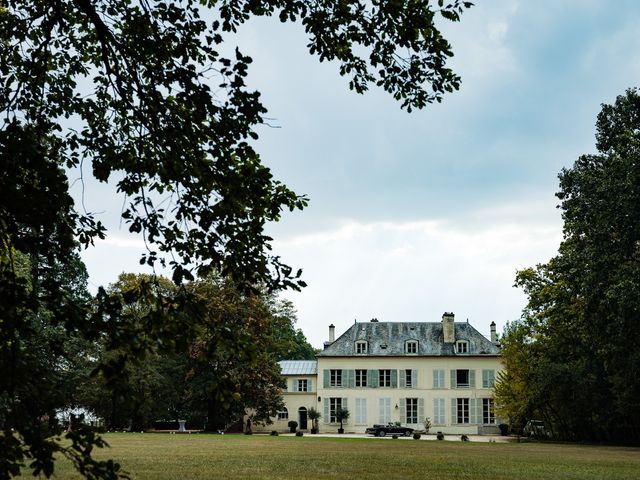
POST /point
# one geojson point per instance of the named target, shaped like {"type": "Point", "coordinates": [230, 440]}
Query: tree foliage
{"type": "Point", "coordinates": [139, 94]}
{"type": "Point", "coordinates": [573, 358]}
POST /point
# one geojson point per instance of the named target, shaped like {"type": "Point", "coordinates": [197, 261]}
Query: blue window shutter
{"type": "Point", "coordinates": [403, 410]}
{"type": "Point", "coordinates": [472, 379]}
{"type": "Point", "coordinates": [414, 378]}
{"type": "Point", "coordinates": [485, 378]}
{"type": "Point", "coordinates": [372, 381]}
{"type": "Point", "coordinates": [394, 378]}
{"type": "Point", "coordinates": [310, 385]}
{"type": "Point", "coordinates": [352, 378]}
{"type": "Point", "coordinates": [454, 381]}
{"type": "Point", "coordinates": [326, 373]}
{"type": "Point", "coordinates": [454, 411]}
{"type": "Point", "coordinates": [479, 411]}
{"type": "Point", "coordinates": [421, 416]}
{"type": "Point", "coordinates": [435, 378]}
{"type": "Point", "coordinates": [403, 383]}
{"type": "Point", "coordinates": [326, 410]}
{"type": "Point", "coordinates": [473, 417]}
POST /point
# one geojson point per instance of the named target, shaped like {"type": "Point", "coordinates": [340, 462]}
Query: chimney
{"type": "Point", "coordinates": [332, 333]}
{"type": "Point", "coordinates": [494, 336]}
{"type": "Point", "coordinates": [448, 329]}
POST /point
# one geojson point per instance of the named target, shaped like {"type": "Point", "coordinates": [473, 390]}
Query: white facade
{"type": "Point", "coordinates": [398, 372]}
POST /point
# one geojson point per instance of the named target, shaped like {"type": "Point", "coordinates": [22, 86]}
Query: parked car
{"type": "Point", "coordinates": [389, 429]}
{"type": "Point", "coordinates": [535, 428]}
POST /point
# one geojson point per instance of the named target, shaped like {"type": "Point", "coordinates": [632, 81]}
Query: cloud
{"type": "Point", "coordinates": [415, 270]}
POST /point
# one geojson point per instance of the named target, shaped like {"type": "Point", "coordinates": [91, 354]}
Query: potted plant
{"type": "Point", "coordinates": [314, 416]}
{"type": "Point", "coordinates": [342, 414]}
{"type": "Point", "coordinates": [427, 424]}
{"type": "Point", "coordinates": [292, 426]}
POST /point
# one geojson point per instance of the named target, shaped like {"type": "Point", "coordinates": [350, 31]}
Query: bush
{"type": "Point", "coordinates": [440, 436]}
{"type": "Point", "coordinates": [299, 434]}
{"type": "Point", "coordinates": [274, 433]}
{"type": "Point", "coordinates": [292, 424]}
{"type": "Point", "coordinates": [248, 432]}
{"type": "Point", "coordinates": [416, 436]}
{"type": "Point", "coordinates": [504, 429]}
{"type": "Point", "coordinates": [394, 436]}
{"type": "Point", "coordinates": [464, 438]}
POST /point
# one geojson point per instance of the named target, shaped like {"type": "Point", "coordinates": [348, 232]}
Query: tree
{"type": "Point", "coordinates": [572, 356]}
{"type": "Point", "coordinates": [139, 91]}
{"type": "Point", "coordinates": [342, 415]}
{"type": "Point", "coordinates": [314, 415]}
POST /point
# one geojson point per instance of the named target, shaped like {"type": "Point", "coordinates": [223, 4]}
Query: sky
{"type": "Point", "coordinates": [412, 215]}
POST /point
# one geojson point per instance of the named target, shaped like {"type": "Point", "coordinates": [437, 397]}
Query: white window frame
{"type": "Point", "coordinates": [411, 404]}
{"type": "Point", "coordinates": [361, 347]}
{"type": "Point", "coordinates": [384, 377]}
{"type": "Point", "coordinates": [283, 414]}
{"type": "Point", "coordinates": [361, 378]}
{"type": "Point", "coordinates": [334, 404]}
{"type": "Point", "coordinates": [462, 411]}
{"type": "Point", "coordinates": [462, 347]}
{"type": "Point", "coordinates": [302, 385]}
{"type": "Point", "coordinates": [335, 377]}
{"type": "Point", "coordinates": [463, 384]}
{"type": "Point", "coordinates": [488, 411]}
{"type": "Point", "coordinates": [411, 347]}
{"type": "Point", "coordinates": [408, 378]}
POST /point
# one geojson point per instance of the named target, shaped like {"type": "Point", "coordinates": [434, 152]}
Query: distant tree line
{"type": "Point", "coordinates": [573, 359]}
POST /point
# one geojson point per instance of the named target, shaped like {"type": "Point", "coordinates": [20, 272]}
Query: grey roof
{"type": "Point", "coordinates": [298, 367]}
{"type": "Point", "coordinates": [393, 335]}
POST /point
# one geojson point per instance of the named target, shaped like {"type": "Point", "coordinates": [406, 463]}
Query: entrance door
{"type": "Point", "coordinates": [302, 417]}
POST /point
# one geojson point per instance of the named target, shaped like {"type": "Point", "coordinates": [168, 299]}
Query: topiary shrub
{"type": "Point", "coordinates": [416, 436]}
{"type": "Point", "coordinates": [292, 426]}
{"type": "Point", "coordinates": [299, 434]}
{"type": "Point", "coordinates": [394, 436]}
{"type": "Point", "coordinates": [274, 433]}
{"type": "Point", "coordinates": [464, 438]}
{"type": "Point", "coordinates": [440, 436]}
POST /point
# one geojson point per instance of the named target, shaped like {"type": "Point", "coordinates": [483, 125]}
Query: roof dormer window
{"type": "Point", "coordinates": [361, 347]}
{"type": "Point", "coordinates": [411, 347]}
{"type": "Point", "coordinates": [462, 347]}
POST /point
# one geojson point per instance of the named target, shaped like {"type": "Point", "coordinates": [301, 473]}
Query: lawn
{"type": "Point", "coordinates": [162, 456]}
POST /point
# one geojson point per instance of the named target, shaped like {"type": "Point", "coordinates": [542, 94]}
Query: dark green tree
{"type": "Point", "coordinates": [139, 92]}
{"type": "Point", "coordinates": [573, 356]}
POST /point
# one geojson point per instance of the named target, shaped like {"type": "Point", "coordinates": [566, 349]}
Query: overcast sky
{"type": "Point", "coordinates": [412, 215]}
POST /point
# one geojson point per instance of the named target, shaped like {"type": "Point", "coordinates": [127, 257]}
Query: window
{"type": "Point", "coordinates": [462, 378]}
{"type": "Point", "coordinates": [412, 410]}
{"type": "Point", "coordinates": [488, 378]}
{"type": "Point", "coordinates": [384, 377]}
{"type": "Point", "coordinates": [385, 411]}
{"type": "Point", "coordinates": [411, 347]}
{"type": "Point", "coordinates": [361, 347]}
{"type": "Point", "coordinates": [462, 347]}
{"type": "Point", "coordinates": [335, 377]}
{"type": "Point", "coordinates": [438, 411]}
{"type": "Point", "coordinates": [488, 415]}
{"type": "Point", "coordinates": [283, 414]}
{"type": "Point", "coordinates": [463, 410]}
{"type": "Point", "coordinates": [361, 378]}
{"type": "Point", "coordinates": [334, 404]}
{"type": "Point", "coordinates": [361, 410]}
{"type": "Point", "coordinates": [438, 378]}
{"type": "Point", "coordinates": [408, 378]}
{"type": "Point", "coordinates": [303, 386]}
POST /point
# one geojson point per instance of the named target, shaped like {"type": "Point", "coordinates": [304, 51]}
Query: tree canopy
{"type": "Point", "coordinates": [138, 93]}
{"type": "Point", "coordinates": [572, 359]}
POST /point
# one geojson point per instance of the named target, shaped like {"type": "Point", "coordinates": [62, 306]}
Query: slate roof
{"type": "Point", "coordinates": [298, 367]}
{"type": "Point", "coordinates": [393, 335]}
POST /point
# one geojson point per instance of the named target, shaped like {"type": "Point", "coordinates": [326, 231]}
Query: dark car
{"type": "Point", "coordinates": [390, 429]}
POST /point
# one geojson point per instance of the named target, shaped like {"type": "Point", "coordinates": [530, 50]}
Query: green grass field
{"type": "Point", "coordinates": [162, 456]}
